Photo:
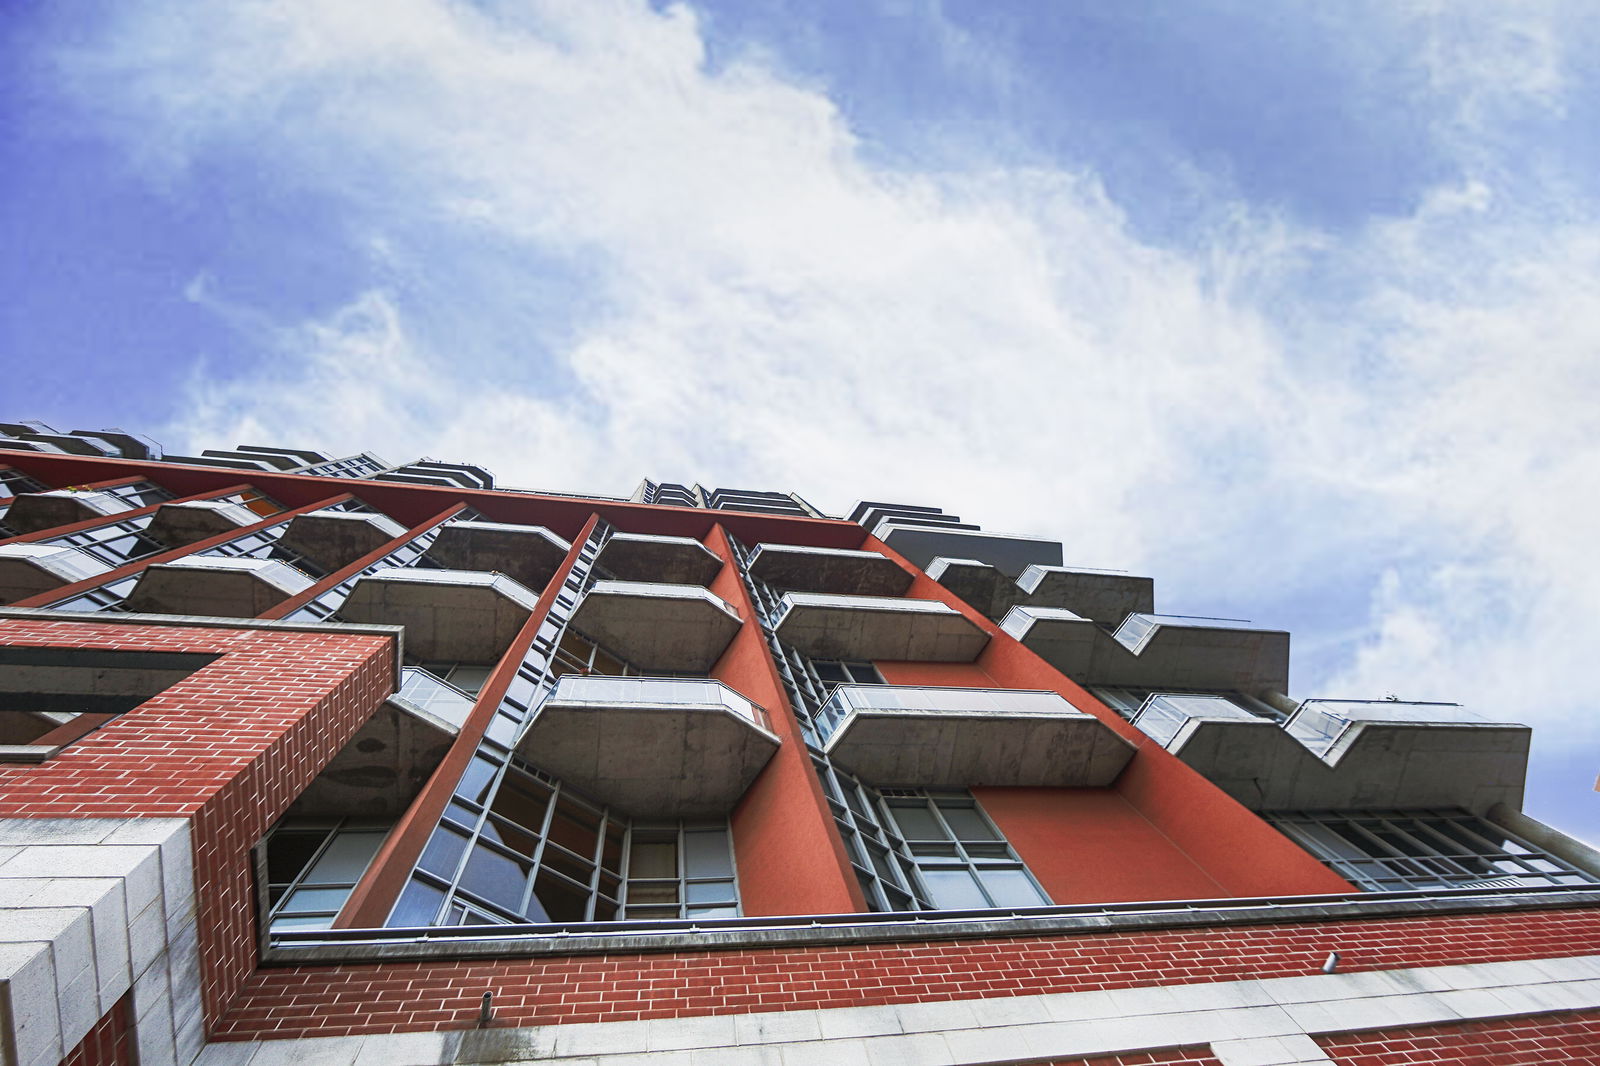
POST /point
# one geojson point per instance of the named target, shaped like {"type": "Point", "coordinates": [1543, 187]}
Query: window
{"type": "Point", "coordinates": [962, 860]}
{"type": "Point", "coordinates": [312, 865]}
{"type": "Point", "coordinates": [833, 672]}
{"type": "Point", "coordinates": [1397, 851]}
{"type": "Point", "coordinates": [681, 871]}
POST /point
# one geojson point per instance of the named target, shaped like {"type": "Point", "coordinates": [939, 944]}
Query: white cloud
{"type": "Point", "coordinates": [760, 306]}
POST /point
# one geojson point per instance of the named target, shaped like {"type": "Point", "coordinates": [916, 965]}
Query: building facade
{"type": "Point", "coordinates": [324, 759]}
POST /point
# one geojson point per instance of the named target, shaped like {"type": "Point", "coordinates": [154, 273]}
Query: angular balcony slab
{"type": "Point", "coordinates": [383, 767]}
{"type": "Point", "coordinates": [1098, 595]}
{"type": "Point", "coordinates": [977, 583]}
{"type": "Point", "coordinates": [29, 569]}
{"type": "Point", "coordinates": [215, 586]}
{"type": "Point", "coordinates": [1009, 553]}
{"type": "Point", "coordinates": [927, 737]}
{"type": "Point", "coordinates": [652, 747]}
{"type": "Point", "coordinates": [878, 627]}
{"type": "Point", "coordinates": [468, 616]}
{"type": "Point", "coordinates": [33, 511]}
{"type": "Point", "coordinates": [842, 571]}
{"type": "Point", "coordinates": [1172, 653]}
{"type": "Point", "coordinates": [180, 524]}
{"type": "Point", "coordinates": [658, 626]}
{"type": "Point", "coordinates": [670, 560]}
{"type": "Point", "coordinates": [530, 555]}
{"type": "Point", "coordinates": [335, 539]}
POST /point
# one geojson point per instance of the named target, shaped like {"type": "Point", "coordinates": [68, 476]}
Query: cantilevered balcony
{"type": "Point", "coordinates": [829, 570]}
{"type": "Point", "coordinates": [1010, 553]}
{"type": "Point", "coordinates": [335, 539]}
{"type": "Point", "coordinates": [878, 627]}
{"type": "Point", "coordinates": [467, 616]}
{"type": "Point", "coordinates": [29, 569]}
{"type": "Point", "coordinates": [33, 511]}
{"type": "Point", "coordinates": [528, 554]}
{"type": "Point", "coordinates": [179, 524]}
{"type": "Point", "coordinates": [658, 626]}
{"type": "Point", "coordinates": [648, 557]}
{"type": "Point", "coordinates": [1344, 754]}
{"type": "Point", "coordinates": [1155, 650]}
{"type": "Point", "coordinates": [216, 586]}
{"type": "Point", "coordinates": [897, 736]}
{"type": "Point", "coordinates": [1099, 595]}
{"type": "Point", "coordinates": [653, 747]}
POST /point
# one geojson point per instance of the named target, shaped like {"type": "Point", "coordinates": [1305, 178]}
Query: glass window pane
{"type": "Point", "coordinates": [289, 851]}
{"type": "Point", "coordinates": [315, 901]}
{"type": "Point", "coordinates": [558, 899]}
{"type": "Point", "coordinates": [916, 822]}
{"type": "Point", "coordinates": [705, 854]}
{"type": "Point", "coordinates": [953, 888]}
{"type": "Point", "coordinates": [418, 906]}
{"type": "Point", "coordinates": [710, 892]}
{"type": "Point", "coordinates": [653, 858]}
{"type": "Point", "coordinates": [967, 823]}
{"type": "Point", "coordinates": [443, 853]}
{"type": "Point", "coordinates": [346, 858]}
{"type": "Point", "coordinates": [1012, 888]}
{"type": "Point", "coordinates": [495, 877]}
{"type": "Point", "coordinates": [575, 828]}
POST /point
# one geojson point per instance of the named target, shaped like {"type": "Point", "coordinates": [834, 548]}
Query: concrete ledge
{"type": "Point", "coordinates": [658, 626]}
{"type": "Point", "coordinates": [837, 570]}
{"type": "Point", "coordinates": [648, 557]}
{"type": "Point", "coordinates": [335, 539]}
{"type": "Point", "coordinates": [529, 555]}
{"type": "Point", "coordinates": [878, 627]}
{"type": "Point", "coordinates": [468, 616]}
{"type": "Point", "coordinates": [180, 524]}
{"type": "Point", "coordinates": [220, 586]}
{"type": "Point", "coordinates": [29, 569]}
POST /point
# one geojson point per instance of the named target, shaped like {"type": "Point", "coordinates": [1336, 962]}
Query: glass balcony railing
{"type": "Point", "coordinates": [932, 699]}
{"type": "Point", "coordinates": [1319, 724]}
{"type": "Point", "coordinates": [609, 691]}
{"type": "Point", "coordinates": [1137, 628]}
{"type": "Point", "coordinates": [439, 698]}
{"type": "Point", "coordinates": [1161, 717]}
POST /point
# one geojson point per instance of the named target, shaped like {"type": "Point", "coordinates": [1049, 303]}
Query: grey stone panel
{"type": "Point", "coordinates": [836, 570]}
{"type": "Point", "coordinates": [178, 525]}
{"type": "Point", "coordinates": [878, 627]}
{"type": "Point", "coordinates": [530, 555]}
{"type": "Point", "coordinates": [382, 768]}
{"type": "Point", "coordinates": [670, 560]}
{"type": "Point", "coordinates": [658, 626]}
{"type": "Point", "coordinates": [909, 749]}
{"type": "Point", "coordinates": [335, 539]}
{"type": "Point", "coordinates": [216, 586]}
{"type": "Point", "coordinates": [465, 616]}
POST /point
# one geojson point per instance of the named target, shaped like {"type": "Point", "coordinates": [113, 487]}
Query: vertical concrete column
{"type": "Point", "coordinates": [369, 904]}
{"type": "Point", "coordinates": [790, 856]}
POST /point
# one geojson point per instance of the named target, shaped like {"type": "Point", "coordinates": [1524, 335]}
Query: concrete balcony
{"type": "Point", "coordinates": [381, 769]}
{"type": "Point", "coordinates": [29, 569]}
{"type": "Point", "coordinates": [668, 560]}
{"type": "Point", "coordinates": [653, 747]}
{"type": "Point", "coordinates": [335, 539]}
{"type": "Point", "coordinates": [530, 555]}
{"type": "Point", "coordinates": [1345, 754]}
{"type": "Point", "coordinates": [878, 627]}
{"type": "Point", "coordinates": [1154, 651]}
{"type": "Point", "coordinates": [1098, 595]}
{"type": "Point", "coordinates": [658, 626]}
{"type": "Point", "coordinates": [467, 616]}
{"type": "Point", "coordinates": [32, 511]}
{"type": "Point", "coordinates": [830, 570]}
{"type": "Point", "coordinates": [215, 586]}
{"type": "Point", "coordinates": [897, 736]}
{"type": "Point", "coordinates": [178, 525]}
{"type": "Point", "coordinates": [1010, 553]}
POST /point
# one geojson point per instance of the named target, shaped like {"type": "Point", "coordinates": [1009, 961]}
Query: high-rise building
{"type": "Point", "coordinates": [326, 760]}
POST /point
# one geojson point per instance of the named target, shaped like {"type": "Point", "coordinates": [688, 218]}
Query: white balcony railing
{"type": "Point", "coordinates": [932, 699]}
{"type": "Point", "coordinates": [611, 691]}
{"type": "Point", "coordinates": [439, 698]}
{"type": "Point", "coordinates": [1318, 724]}
{"type": "Point", "coordinates": [1162, 716]}
{"type": "Point", "coordinates": [1137, 628]}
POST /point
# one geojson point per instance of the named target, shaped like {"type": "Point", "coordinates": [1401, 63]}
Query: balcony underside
{"type": "Point", "coordinates": [667, 560]}
{"type": "Point", "coordinates": [335, 539]}
{"type": "Point", "coordinates": [1374, 765]}
{"type": "Point", "coordinates": [449, 615]}
{"type": "Point", "coordinates": [909, 748]}
{"type": "Point", "coordinates": [382, 768]}
{"type": "Point", "coordinates": [30, 569]}
{"type": "Point", "coordinates": [830, 570]}
{"type": "Point", "coordinates": [1095, 595]}
{"type": "Point", "coordinates": [31, 512]}
{"type": "Point", "coordinates": [530, 555]}
{"type": "Point", "coordinates": [1174, 656]}
{"type": "Point", "coordinates": [658, 626]}
{"type": "Point", "coordinates": [1009, 553]}
{"type": "Point", "coordinates": [178, 525]}
{"type": "Point", "coordinates": [216, 587]}
{"type": "Point", "coordinates": [652, 759]}
{"type": "Point", "coordinates": [878, 627]}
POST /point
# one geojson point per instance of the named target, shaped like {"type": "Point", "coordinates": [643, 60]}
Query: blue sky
{"type": "Point", "coordinates": [1294, 307]}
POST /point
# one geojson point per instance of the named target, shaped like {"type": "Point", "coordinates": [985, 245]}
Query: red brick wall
{"type": "Point", "coordinates": [1196, 1055]}
{"type": "Point", "coordinates": [413, 996]}
{"type": "Point", "coordinates": [230, 747]}
{"type": "Point", "coordinates": [110, 1042]}
{"type": "Point", "coordinates": [1536, 1040]}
